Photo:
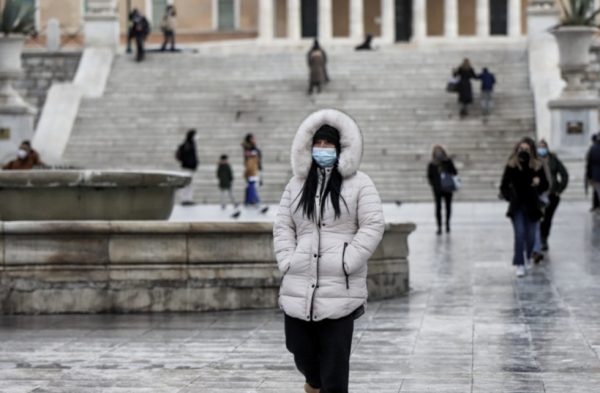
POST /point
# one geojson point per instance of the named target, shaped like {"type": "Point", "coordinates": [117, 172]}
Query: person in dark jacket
{"type": "Point", "coordinates": [558, 177]}
{"type": "Point", "coordinates": [592, 167]}
{"type": "Point", "coordinates": [27, 158]}
{"type": "Point", "coordinates": [225, 176]}
{"type": "Point", "coordinates": [440, 173]}
{"type": "Point", "coordinates": [141, 29]}
{"type": "Point", "coordinates": [366, 45]}
{"type": "Point", "coordinates": [488, 80]}
{"type": "Point", "coordinates": [188, 157]}
{"type": "Point", "coordinates": [523, 181]}
{"type": "Point", "coordinates": [465, 92]}
{"type": "Point", "coordinates": [130, 36]}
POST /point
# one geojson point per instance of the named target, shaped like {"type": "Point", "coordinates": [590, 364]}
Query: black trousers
{"type": "Point", "coordinates": [447, 197]}
{"type": "Point", "coordinates": [169, 37]}
{"type": "Point", "coordinates": [595, 199]}
{"type": "Point", "coordinates": [139, 44]}
{"type": "Point", "coordinates": [322, 351]}
{"type": "Point", "coordinates": [546, 223]}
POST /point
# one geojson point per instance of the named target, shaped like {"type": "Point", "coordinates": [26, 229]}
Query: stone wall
{"type": "Point", "coordinates": [109, 266]}
{"type": "Point", "coordinates": [41, 69]}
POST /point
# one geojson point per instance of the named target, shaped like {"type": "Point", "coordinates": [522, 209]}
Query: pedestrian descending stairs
{"type": "Point", "coordinates": [396, 94]}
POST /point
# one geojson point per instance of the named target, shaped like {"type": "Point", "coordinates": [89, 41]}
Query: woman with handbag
{"type": "Point", "coordinates": [442, 176]}
{"type": "Point", "coordinates": [523, 182]}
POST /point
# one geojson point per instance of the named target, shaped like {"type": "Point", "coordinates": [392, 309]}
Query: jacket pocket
{"type": "Point", "coordinates": [344, 265]}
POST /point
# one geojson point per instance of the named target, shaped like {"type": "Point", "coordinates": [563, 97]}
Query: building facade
{"type": "Point", "coordinates": [392, 20]}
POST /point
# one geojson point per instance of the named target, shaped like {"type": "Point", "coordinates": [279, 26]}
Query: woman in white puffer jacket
{"type": "Point", "coordinates": [329, 223]}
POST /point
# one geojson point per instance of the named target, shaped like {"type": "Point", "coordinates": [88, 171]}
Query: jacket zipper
{"type": "Point", "coordinates": [321, 192]}
{"type": "Point", "coordinates": [344, 265]}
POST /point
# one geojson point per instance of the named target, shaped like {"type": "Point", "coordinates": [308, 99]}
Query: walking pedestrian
{"type": "Point", "coordinates": [141, 29]}
{"type": "Point", "coordinates": [252, 168]}
{"type": "Point", "coordinates": [188, 158]}
{"type": "Point", "coordinates": [168, 28]}
{"type": "Point", "coordinates": [441, 174]}
{"type": "Point", "coordinates": [595, 195]}
{"type": "Point", "coordinates": [317, 64]}
{"type": "Point", "coordinates": [592, 167]}
{"type": "Point", "coordinates": [488, 80]}
{"type": "Point", "coordinates": [523, 181]}
{"type": "Point", "coordinates": [558, 179]}
{"type": "Point", "coordinates": [225, 176]}
{"type": "Point", "coordinates": [130, 32]}
{"type": "Point", "coordinates": [329, 223]}
{"type": "Point", "coordinates": [27, 158]}
{"type": "Point", "coordinates": [465, 92]}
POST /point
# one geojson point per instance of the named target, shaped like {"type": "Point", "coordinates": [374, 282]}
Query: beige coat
{"type": "Point", "coordinates": [316, 64]}
{"type": "Point", "coordinates": [325, 268]}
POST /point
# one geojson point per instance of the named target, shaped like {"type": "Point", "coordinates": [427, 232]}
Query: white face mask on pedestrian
{"type": "Point", "coordinates": [22, 154]}
{"type": "Point", "coordinates": [325, 157]}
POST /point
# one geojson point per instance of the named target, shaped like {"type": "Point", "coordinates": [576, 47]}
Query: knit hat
{"type": "Point", "coordinates": [329, 134]}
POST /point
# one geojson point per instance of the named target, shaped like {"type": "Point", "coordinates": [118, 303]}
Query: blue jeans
{"type": "Point", "coordinates": [525, 231]}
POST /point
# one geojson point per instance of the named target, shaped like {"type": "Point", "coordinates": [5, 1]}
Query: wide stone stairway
{"type": "Point", "coordinates": [397, 95]}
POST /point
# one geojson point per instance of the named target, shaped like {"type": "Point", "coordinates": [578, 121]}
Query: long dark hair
{"type": "Point", "coordinates": [309, 192]}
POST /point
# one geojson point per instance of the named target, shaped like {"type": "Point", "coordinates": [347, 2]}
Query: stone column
{"type": "Point", "coordinates": [388, 21]}
{"type": "Point", "coordinates": [101, 27]}
{"type": "Point", "coordinates": [482, 15]}
{"type": "Point", "coordinates": [357, 28]}
{"type": "Point", "coordinates": [325, 31]}
{"type": "Point", "coordinates": [293, 20]}
{"type": "Point", "coordinates": [419, 20]}
{"type": "Point", "coordinates": [450, 18]}
{"type": "Point", "coordinates": [266, 27]}
{"type": "Point", "coordinates": [514, 18]}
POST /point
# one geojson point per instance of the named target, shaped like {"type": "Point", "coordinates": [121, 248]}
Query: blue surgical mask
{"type": "Point", "coordinates": [325, 157]}
{"type": "Point", "coordinates": [542, 151]}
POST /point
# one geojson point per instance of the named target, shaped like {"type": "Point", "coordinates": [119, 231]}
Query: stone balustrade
{"type": "Point", "coordinates": [158, 266]}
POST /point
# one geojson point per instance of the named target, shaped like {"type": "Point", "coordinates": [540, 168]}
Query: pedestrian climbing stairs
{"type": "Point", "coordinates": [396, 94]}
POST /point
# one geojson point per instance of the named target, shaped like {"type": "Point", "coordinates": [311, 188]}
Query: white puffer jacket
{"type": "Point", "coordinates": [325, 268]}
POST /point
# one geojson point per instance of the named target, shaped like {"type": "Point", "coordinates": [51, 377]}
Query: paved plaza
{"type": "Point", "coordinates": [468, 325]}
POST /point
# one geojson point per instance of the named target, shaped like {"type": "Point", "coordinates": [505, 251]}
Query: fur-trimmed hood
{"type": "Point", "coordinates": [351, 141]}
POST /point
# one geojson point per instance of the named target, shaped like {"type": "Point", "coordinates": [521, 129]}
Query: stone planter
{"type": "Point", "coordinates": [574, 44]}
{"type": "Point", "coordinates": [11, 48]}
{"type": "Point", "coordinates": [88, 195]}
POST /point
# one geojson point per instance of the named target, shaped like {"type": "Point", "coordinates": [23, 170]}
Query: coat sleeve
{"type": "Point", "coordinates": [564, 176]}
{"type": "Point", "coordinates": [505, 185]}
{"type": "Point", "coordinates": [452, 168]}
{"type": "Point", "coordinates": [544, 183]}
{"type": "Point", "coordinates": [371, 225]}
{"type": "Point", "coordinates": [284, 232]}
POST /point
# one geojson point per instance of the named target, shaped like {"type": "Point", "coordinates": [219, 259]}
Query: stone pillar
{"type": "Point", "coordinates": [325, 32]}
{"type": "Point", "coordinates": [53, 35]}
{"type": "Point", "coordinates": [293, 20]}
{"type": "Point", "coordinates": [482, 15]}
{"type": "Point", "coordinates": [450, 18]}
{"type": "Point", "coordinates": [357, 27]}
{"type": "Point", "coordinates": [388, 21]}
{"type": "Point", "coordinates": [419, 20]}
{"type": "Point", "coordinates": [101, 25]}
{"type": "Point", "coordinates": [266, 27]}
{"type": "Point", "coordinates": [514, 18]}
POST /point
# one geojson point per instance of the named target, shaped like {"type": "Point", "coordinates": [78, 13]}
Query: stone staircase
{"type": "Point", "coordinates": [396, 94]}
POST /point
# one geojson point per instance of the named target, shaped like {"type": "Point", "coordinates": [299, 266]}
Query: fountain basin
{"type": "Point", "coordinates": [42, 195]}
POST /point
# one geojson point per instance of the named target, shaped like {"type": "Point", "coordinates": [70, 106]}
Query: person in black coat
{"type": "Point", "coordinates": [523, 181]}
{"type": "Point", "coordinates": [188, 158]}
{"type": "Point", "coordinates": [441, 168]}
{"type": "Point", "coordinates": [465, 91]}
{"type": "Point", "coordinates": [141, 29]}
{"type": "Point", "coordinates": [592, 170]}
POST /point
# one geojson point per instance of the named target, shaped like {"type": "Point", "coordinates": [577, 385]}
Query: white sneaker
{"type": "Point", "coordinates": [520, 271]}
{"type": "Point", "coordinates": [528, 264]}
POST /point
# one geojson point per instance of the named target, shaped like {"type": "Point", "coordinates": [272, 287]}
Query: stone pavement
{"type": "Point", "coordinates": [468, 325]}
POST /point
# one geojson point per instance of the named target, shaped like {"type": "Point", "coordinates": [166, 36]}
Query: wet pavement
{"type": "Point", "coordinates": [468, 325]}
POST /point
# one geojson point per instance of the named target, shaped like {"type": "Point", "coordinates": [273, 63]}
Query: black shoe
{"type": "Point", "coordinates": [236, 214]}
{"type": "Point", "coordinates": [448, 229]}
{"type": "Point", "coordinates": [188, 203]}
{"type": "Point", "coordinates": [264, 210]}
{"type": "Point", "coordinates": [439, 231]}
{"type": "Point", "coordinates": [537, 257]}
